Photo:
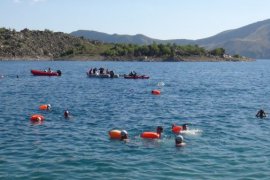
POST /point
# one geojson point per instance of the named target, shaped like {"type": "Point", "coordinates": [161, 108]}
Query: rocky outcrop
{"type": "Point", "coordinates": [38, 44]}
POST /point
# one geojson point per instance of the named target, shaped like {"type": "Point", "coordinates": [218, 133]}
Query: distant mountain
{"type": "Point", "coordinates": [114, 38]}
{"type": "Point", "coordinates": [139, 39]}
{"type": "Point", "coordinates": [252, 40]}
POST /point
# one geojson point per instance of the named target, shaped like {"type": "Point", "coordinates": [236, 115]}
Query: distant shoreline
{"type": "Point", "coordinates": [130, 59]}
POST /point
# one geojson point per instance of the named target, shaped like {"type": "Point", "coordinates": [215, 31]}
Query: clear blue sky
{"type": "Point", "coordinates": [162, 19]}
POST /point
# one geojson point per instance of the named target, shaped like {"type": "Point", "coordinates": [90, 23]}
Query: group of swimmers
{"type": "Point", "coordinates": [122, 135]}
{"type": "Point", "coordinates": [37, 119]}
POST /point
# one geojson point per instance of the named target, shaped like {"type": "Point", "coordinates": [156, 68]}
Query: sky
{"type": "Point", "coordinates": [160, 19]}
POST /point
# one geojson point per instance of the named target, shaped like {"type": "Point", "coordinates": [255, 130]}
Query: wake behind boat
{"type": "Point", "coordinates": [46, 73]}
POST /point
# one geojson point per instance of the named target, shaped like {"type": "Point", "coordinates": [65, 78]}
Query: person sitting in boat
{"type": "Point", "coordinates": [132, 73]}
{"type": "Point", "coordinates": [90, 71]}
{"type": "Point", "coordinates": [107, 71]}
{"type": "Point", "coordinates": [94, 70]}
{"type": "Point", "coordinates": [49, 70]}
{"type": "Point", "coordinates": [111, 74]}
{"type": "Point", "coordinates": [261, 114]}
{"type": "Point", "coordinates": [101, 70]}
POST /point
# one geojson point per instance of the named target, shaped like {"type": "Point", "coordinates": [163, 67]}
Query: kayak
{"type": "Point", "coordinates": [102, 75]}
{"type": "Point", "coordinates": [46, 73]}
{"type": "Point", "coordinates": [136, 77]}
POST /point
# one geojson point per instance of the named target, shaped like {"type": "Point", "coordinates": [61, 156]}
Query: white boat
{"type": "Point", "coordinates": [97, 75]}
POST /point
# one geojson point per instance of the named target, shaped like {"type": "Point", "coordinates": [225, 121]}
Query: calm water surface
{"type": "Point", "coordinates": [220, 100]}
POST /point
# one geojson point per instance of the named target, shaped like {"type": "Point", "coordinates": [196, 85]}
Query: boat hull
{"type": "Point", "coordinates": [102, 75]}
{"type": "Point", "coordinates": [137, 77]}
{"type": "Point", "coordinates": [44, 73]}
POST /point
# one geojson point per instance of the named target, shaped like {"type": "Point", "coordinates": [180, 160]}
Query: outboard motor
{"type": "Point", "coordinates": [59, 72]}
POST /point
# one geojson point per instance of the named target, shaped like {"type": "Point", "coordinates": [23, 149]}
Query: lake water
{"type": "Point", "coordinates": [220, 101]}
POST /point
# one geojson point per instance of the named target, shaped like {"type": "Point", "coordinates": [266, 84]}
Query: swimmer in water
{"type": "Point", "coordinates": [66, 114]}
{"type": "Point", "coordinates": [178, 129]}
{"type": "Point", "coordinates": [261, 114]}
{"type": "Point", "coordinates": [124, 136]}
{"type": "Point", "coordinates": [179, 141]}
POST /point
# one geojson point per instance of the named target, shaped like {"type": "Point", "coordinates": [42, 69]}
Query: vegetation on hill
{"type": "Point", "coordinates": [46, 44]}
{"type": "Point", "coordinates": [252, 40]}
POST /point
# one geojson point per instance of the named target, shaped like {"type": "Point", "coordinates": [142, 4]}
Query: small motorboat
{"type": "Point", "coordinates": [136, 77]}
{"type": "Point", "coordinates": [46, 73]}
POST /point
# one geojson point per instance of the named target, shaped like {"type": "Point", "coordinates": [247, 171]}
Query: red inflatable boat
{"type": "Point", "coordinates": [46, 73]}
{"type": "Point", "coordinates": [136, 77]}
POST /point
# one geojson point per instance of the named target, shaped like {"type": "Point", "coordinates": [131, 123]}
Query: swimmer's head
{"type": "Point", "coordinates": [124, 134]}
{"type": "Point", "coordinates": [159, 129]}
{"type": "Point", "coordinates": [179, 139]}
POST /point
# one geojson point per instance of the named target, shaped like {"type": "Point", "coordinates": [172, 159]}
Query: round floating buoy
{"type": "Point", "coordinates": [155, 92]}
{"type": "Point", "coordinates": [117, 134]}
{"type": "Point", "coordinates": [37, 117]}
{"type": "Point", "coordinates": [153, 135]}
{"type": "Point", "coordinates": [45, 107]}
{"type": "Point", "coordinates": [150, 135]}
{"type": "Point", "coordinates": [176, 129]}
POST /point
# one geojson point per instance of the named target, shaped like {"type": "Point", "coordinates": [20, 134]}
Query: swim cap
{"type": "Point", "coordinates": [38, 118]}
{"type": "Point", "coordinates": [49, 106]}
{"type": "Point", "coordinates": [124, 133]}
{"type": "Point", "coordinates": [179, 139]}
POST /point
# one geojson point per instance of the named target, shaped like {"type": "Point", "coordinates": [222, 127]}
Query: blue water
{"type": "Point", "coordinates": [220, 100]}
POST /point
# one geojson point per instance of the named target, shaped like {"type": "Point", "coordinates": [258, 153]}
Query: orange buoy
{"type": "Point", "coordinates": [45, 107]}
{"type": "Point", "coordinates": [150, 135]}
{"type": "Point", "coordinates": [117, 134]}
{"type": "Point", "coordinates": [37, 117]}
{"type": "Point", "coordinates": [155, 92]}
{"type": "Point", "coordinates": [177, 129]}
{"type": "Point", "coordinates": [153, 135]}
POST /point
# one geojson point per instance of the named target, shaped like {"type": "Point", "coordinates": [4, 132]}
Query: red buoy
{"type": "Point", "coordinates": [155, 92]}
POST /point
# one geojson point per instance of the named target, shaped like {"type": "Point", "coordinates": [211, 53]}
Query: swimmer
{"type": "Point", "coordinates": [124, 136]}
{"type": "Point", "coordinates": [66, 114]}
{"type": "Point", "coordinates": [177, 129]}
{"type": "Point", "coordinates": [39, 119]}
{"type": "Point", "coordinates": [179, 141]}
{"type": "Point", "coordinates": [261, 114]}
{"type": "Point", "coordinates": [48, 107]}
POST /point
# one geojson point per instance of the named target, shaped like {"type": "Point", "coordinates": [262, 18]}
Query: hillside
{"type": "Point", "coordinates": [252, 40]}
{"type": "Point", "coordinates": [46, 44]}
{"type": "Point", "coordinates": [27, 44]}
